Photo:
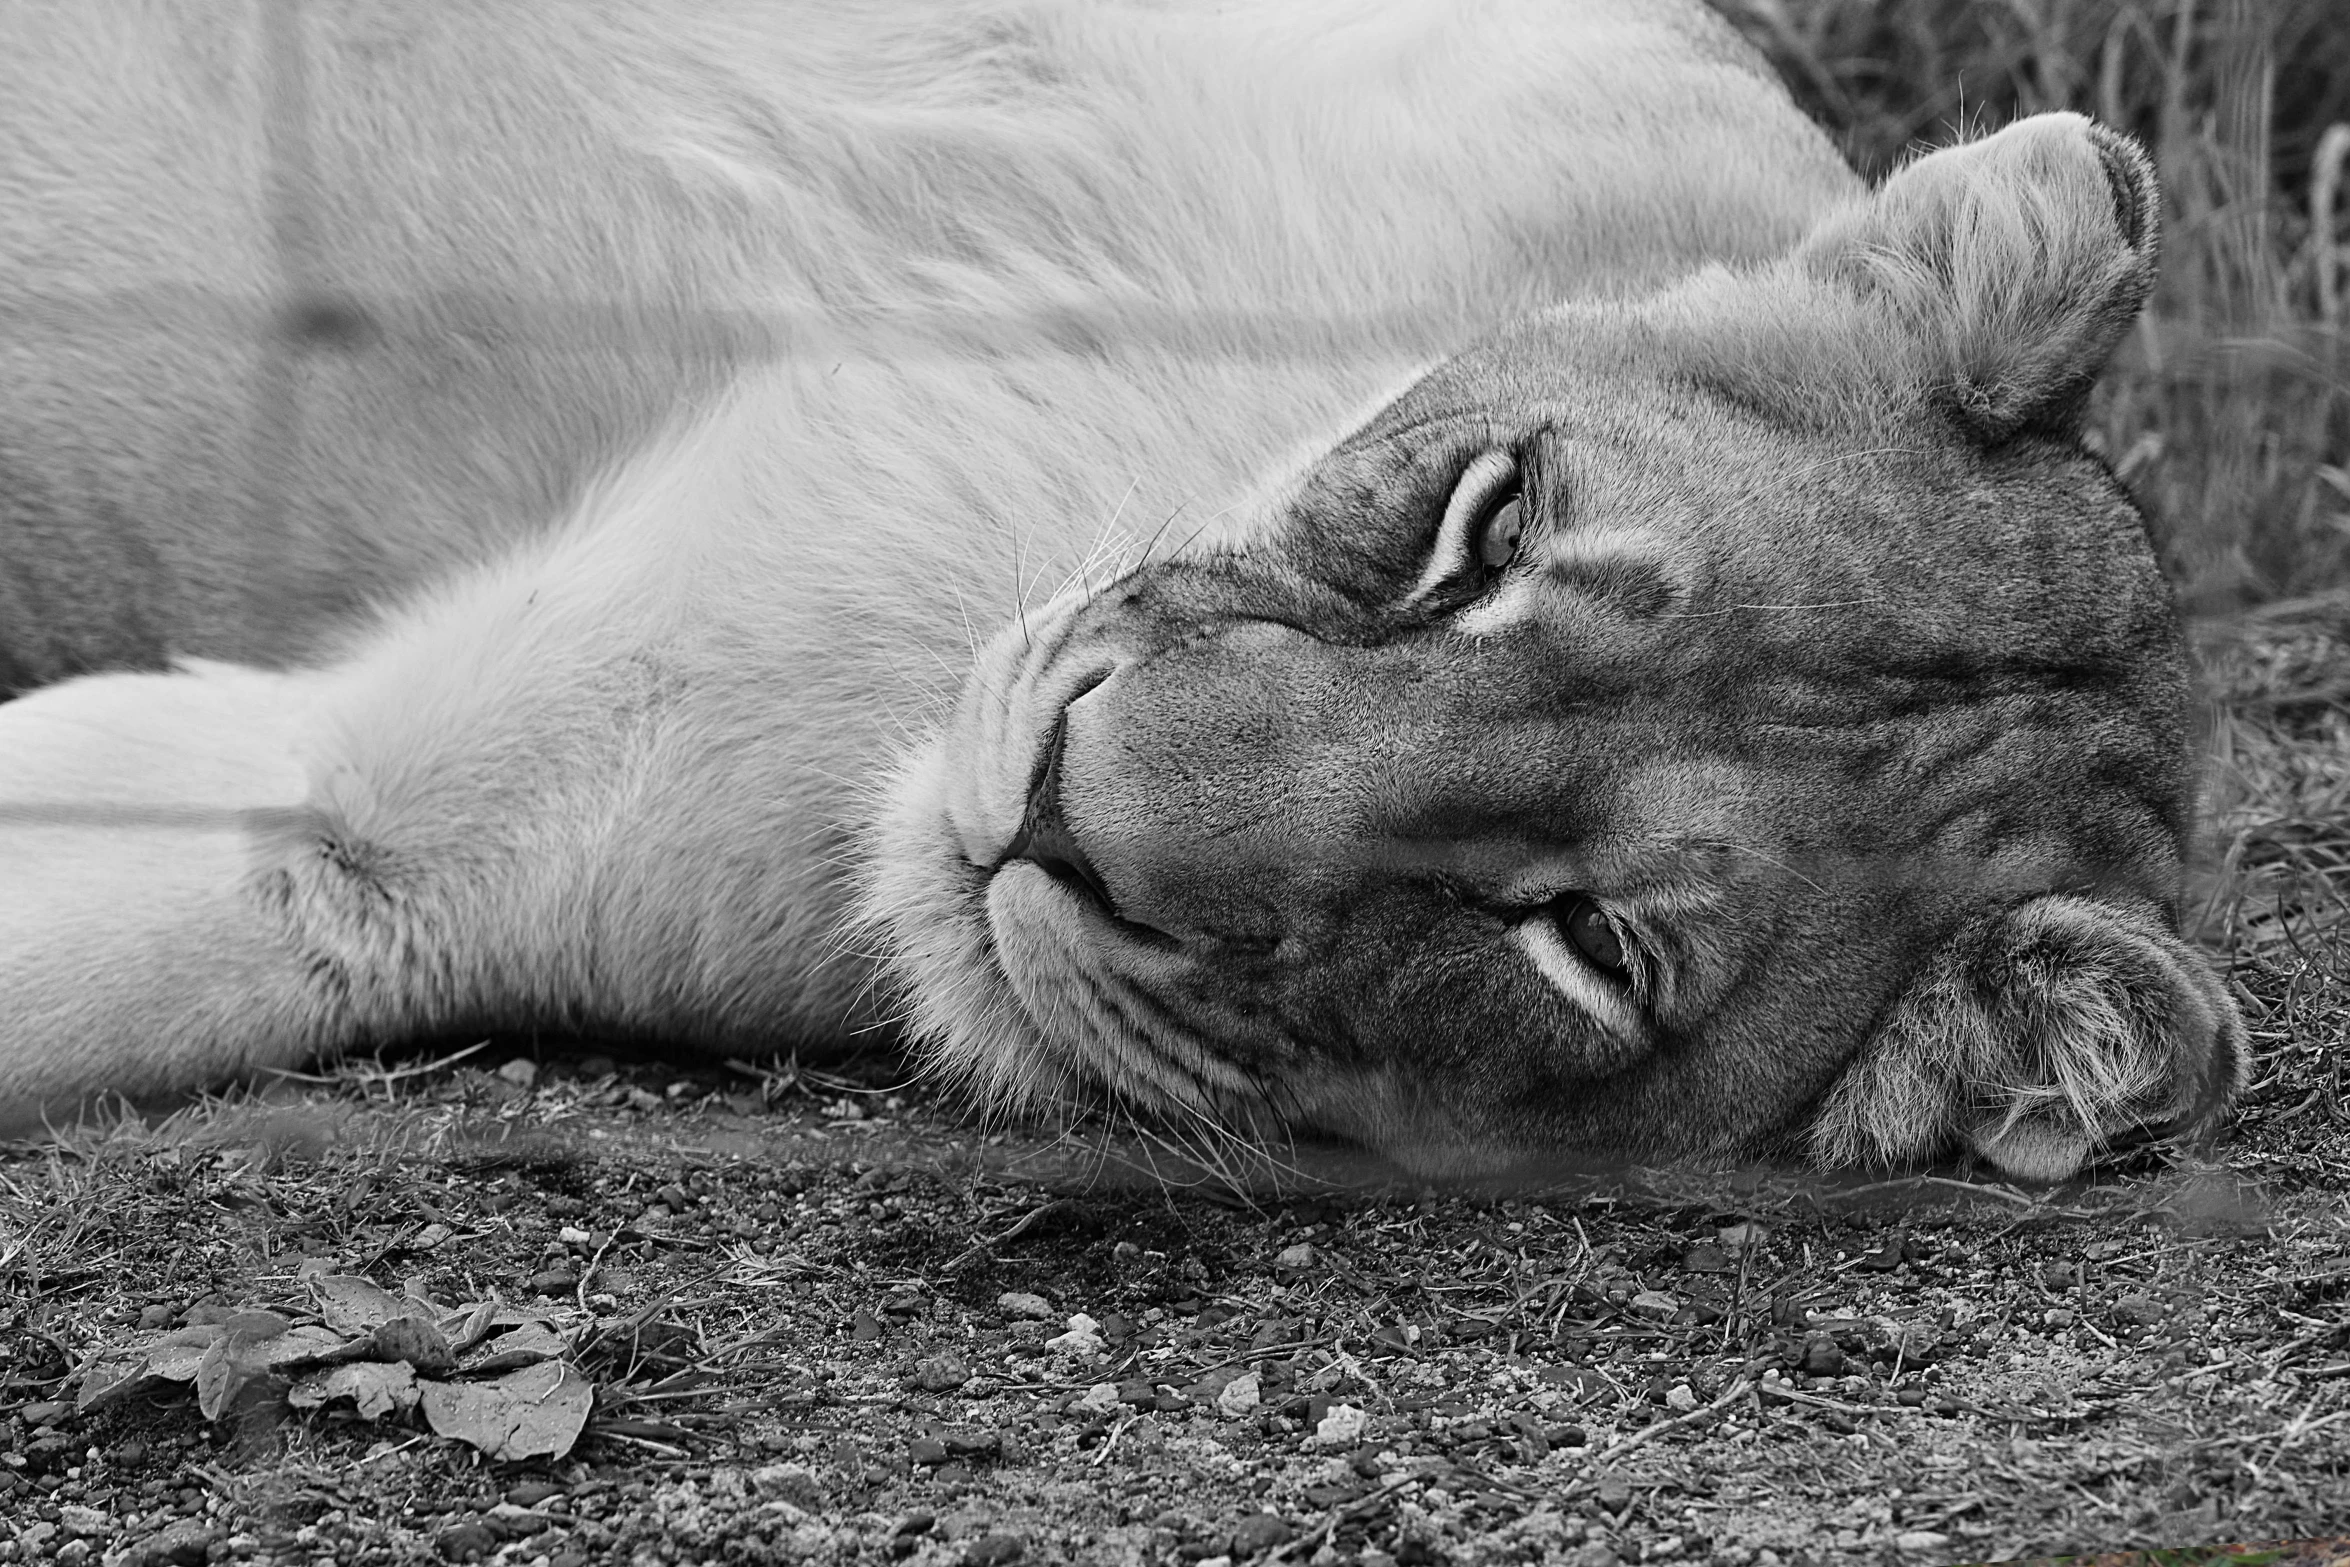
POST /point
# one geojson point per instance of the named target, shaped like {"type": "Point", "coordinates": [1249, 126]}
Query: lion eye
{"type": "Point", "coordinates": [1498, 530]}
{"type": "Point", "coordinates": [1593, 934]}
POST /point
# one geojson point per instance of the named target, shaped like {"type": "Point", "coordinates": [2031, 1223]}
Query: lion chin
{"type": "Point", "coordinates": [1454, 582]}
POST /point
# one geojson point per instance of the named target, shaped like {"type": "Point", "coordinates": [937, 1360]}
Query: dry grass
{"type": "Point", "coordinates": [2229, 410]}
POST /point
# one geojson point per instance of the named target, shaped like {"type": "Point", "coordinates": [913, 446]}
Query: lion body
{"type": "Point", "coordinates": [303, 323]}
{"type": "Point", "coordinates": [511, 482]}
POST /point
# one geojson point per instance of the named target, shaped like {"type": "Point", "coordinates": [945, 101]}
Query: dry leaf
{"type": "Point", "coordinates": [174, 1355]}
{"type": "Point", "coordinates": [110, 1377]}
{"type": "Point", "coordinates": [293, 1347]}
{"type": "Point", "coordinates": [414, 1340]}
{"type": "Point", "coordinates": [351, 1305]}
{"type": "Point", "coordinates": [220, 1376]}
{"type": "Point", "coordinates": [521, 1346]}
{"type": "Point", "coordinates": [536, 1412]}
{"type": "Point", "coordinates": [478, 1325]}
{"type": "Point", "coordinates": [252, 1345]}
{"type": "Point", "coordinates": [375, 1388]}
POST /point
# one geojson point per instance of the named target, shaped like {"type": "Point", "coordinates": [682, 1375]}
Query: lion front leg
{"type": "Point", "coordinates": [144, 833]}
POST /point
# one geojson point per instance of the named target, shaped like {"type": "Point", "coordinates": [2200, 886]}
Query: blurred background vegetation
{"type": "Point", "coordinates": [2228, 410]}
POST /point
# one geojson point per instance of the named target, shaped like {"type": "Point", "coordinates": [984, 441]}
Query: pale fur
{"type": "Point", "coordinates": [2039, 1035]}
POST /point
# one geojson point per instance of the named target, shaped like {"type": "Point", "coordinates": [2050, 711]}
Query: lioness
{"type": "Point", "coordinates": [500, 507]}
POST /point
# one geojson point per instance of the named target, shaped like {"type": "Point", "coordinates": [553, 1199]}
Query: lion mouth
{"type": "Point", "coordinates": [1046, 840]}
{"type": "Point", "coordinates": [1098, 1001]}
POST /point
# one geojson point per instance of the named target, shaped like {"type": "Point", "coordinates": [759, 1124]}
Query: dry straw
{"type": "Point", "coordinates": [2229, 410]}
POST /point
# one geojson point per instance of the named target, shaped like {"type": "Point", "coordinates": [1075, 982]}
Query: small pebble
{"type": "Point", "coordinates": [1681, 1397]}
{"type": "Point", "coordinates": [926, 1451]}
{"type": "Point", "coordinates": [1884, 1257]}
{"type": "Point", "coordinates": [1654, 1303]}
{"type": "Point", "coordinates": [529, 1493]}
{"type": "Point", "coordinates": [158, 1315]}
{"type": "Point", "coordinates": [1920, 1540]}
{"type": "Point", "coordinates": [1240, 1396]}
{"type": "Point", "coordinates": [1822, 1357]}
{"type": "Point", "coordinates": [520, 1072]}
{"type": "Point", "coordinates": [1084, 1338]}
{"type": "Point", "coordinates": [466, 1542]}
{"type": "Point", "coordinates": [864, 1327]}
{"type": "Point", "coordinates": [1297, 1258]}
{"type": "Point", "coordinates": [937, 1373]}
{"type": "Point", "coordinates": [1019, 1303]}
{"type": "Point", "coordinates": [555, 1281]}
{"type": "Point", "coordinates": [992, 1550]}
{"type": "Point", "coordinates": [1343, 1426]}
{"type": "Point", "coordinates": [514, 1523]}
{"type": "Point", "coordinates": [185, 1543]}
{"type": "Point", "coordinates": [1259, 1532]}
{"type": "Point", "coordinates": [76, 1519]}
{"type": "Point", "coordinates": [43, 1413]}
{"type": "Point", "coordinates": [1098, 1399]}
{"type": "Point", "coordinates": [793, 1483]}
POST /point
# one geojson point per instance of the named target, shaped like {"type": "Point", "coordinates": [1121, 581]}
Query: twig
{"type": "Point", "coordinates": [1738, 1390]}
{"type": "Point", "coordinates": [580, 1293]}
{"type": "Point", "coordinates": [1101, 1454]}
{"type": "Point", "coordinates": [1020, 1227]}
{"type": "Point", "coordinates": [1345, 1512]}
{"type": "Point", "coordinates": [1776, 1393]}
{"type": "Point", "coordinates": [663, 1448]}
{"type": "Point", "coordinates": [1971, 1188]}
{"type": "Point", "coordinates": [2292, 1432]}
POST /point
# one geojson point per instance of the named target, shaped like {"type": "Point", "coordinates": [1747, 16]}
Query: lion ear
{"type": "Point", "coordinates": [2013, 265]}
{"type": "Point", "coordinates": [2033, 1037]}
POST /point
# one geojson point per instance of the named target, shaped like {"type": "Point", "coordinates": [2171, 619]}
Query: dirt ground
{"type": "Point", "coordinates": [778, 1315]}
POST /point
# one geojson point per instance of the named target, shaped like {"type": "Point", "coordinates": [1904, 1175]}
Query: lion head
{"type": "Point", "coordinates": [1739, 717]}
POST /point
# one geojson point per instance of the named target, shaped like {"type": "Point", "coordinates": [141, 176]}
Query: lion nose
{"type": "Point", "coordinates": [1044, 839]}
